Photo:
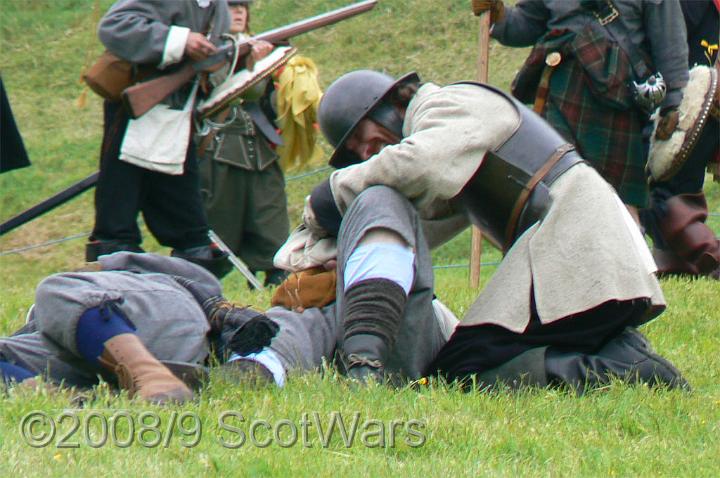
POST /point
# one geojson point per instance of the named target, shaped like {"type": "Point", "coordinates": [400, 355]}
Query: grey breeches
{"type": "Point", "coordinates": [306, 340]}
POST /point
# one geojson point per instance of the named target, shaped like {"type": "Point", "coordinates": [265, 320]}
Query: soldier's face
{"type": "Point", "coordinates": [369, 138]}
{"type": "Point", "coordinates": [238, 17]}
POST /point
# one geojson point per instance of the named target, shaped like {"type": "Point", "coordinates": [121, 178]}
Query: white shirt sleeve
{"type": "Point", "coordinates": [174, 46]}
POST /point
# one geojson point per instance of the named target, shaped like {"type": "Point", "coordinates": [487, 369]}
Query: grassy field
{"type": "Point", "coordinates": [618, 431]}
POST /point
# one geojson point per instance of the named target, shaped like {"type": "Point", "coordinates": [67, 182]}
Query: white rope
{"type": "Point", "coordinates": [44, 244]}
{"type": "Point", "coordinates": [85, 234]}
{"type": "Point", "coordinates": [309, 173]}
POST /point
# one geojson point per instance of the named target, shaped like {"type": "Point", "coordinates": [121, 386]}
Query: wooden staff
{"type": "Point", "coordinates": [482, 76]}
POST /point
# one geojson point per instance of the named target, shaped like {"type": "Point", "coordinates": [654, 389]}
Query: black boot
{"type": "Point", "coordinates": [627, 356]}
{"type": "Point", "coordinates": [210, 257]}
{"type": "Point", "coordinates": [96, 248]}
{"type": "Point", "coordinates": [693, 247]}
{"type": "Point", "coordinates": [373, 311]}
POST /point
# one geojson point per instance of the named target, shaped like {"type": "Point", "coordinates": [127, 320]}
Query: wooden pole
{"type": "Point", "coordinates": [482, 76]}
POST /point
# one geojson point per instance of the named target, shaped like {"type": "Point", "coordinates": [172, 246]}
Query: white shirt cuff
{"type": "Point", "coordinates": [269, 359]}
{"type": "Point", "coordinates": [174, 46]}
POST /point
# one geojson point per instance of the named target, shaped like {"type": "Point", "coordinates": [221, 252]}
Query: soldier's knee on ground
{"type": "Point", "coordinates": [627, 356]}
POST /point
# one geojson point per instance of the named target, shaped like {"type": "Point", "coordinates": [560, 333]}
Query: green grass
{"type": "Point", "coordinates": [619, 431]}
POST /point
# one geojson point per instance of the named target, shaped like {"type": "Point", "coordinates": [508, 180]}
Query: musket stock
{"type": "Point", "coordinates": [140, 98]}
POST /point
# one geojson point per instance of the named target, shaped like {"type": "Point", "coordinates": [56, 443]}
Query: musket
{"type": "Point", "coordinates": [140, 98]}
{"type": "Point", "coordinates": [49, 204]}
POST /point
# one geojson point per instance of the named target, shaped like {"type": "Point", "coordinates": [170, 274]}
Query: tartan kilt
{"type": "Point", "coordinates": [610, 139]}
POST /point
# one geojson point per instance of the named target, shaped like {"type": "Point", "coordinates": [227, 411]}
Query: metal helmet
{"type": "Point", "coordinates": [351, 98]}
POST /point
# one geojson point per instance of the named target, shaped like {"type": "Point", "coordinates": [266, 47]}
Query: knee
{"type": "Point", "coordinates": [378, 198]}
{"type": "Point", "coordinates": [381, 206]}
{"type": "Point", "coordinates": [63, 298]}
{"type": "Point", "coordinates": [382, 235]}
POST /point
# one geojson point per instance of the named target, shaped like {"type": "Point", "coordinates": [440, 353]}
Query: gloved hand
{"type": "Point", "coordinates": [669, 119]}
{"type": "Point", "coordinates": [495, 7]}
{"type": "Point", "coordinates": [321, 212]}
{"type": "Point", "coordinates": [364, 356]}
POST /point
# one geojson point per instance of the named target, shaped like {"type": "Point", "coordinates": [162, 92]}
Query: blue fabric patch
{"type": "Point", "coordinates": [14, 373]}
{"type": "Point", "coordinates": [381, 261]}
{"type": "Point", "coordinates": [96, 326]}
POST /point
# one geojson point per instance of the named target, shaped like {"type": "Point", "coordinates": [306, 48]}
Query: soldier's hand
{"type": "Point", "coordinates": [259, 49]}
{"type": "Point", "coordinates": [495, 7]}
{"type": "Point", "coordinates": [198, 48]}
{"type": "Point", "coordinates": [668, 123]}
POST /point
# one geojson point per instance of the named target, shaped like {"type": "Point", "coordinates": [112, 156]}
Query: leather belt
{"type": "Point", "coordinates": [539, 200]}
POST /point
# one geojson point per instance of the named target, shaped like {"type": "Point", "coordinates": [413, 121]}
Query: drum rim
{"type": "Point", "coordinates": [691, 135]}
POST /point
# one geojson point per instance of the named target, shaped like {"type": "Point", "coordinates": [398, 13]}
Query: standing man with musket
{"type": "Point", "coordinates": [562, 306]}
{"type": "Point", "coordinates": [148, 165]}
{"type": "Point", "coordinates": [599, 67]}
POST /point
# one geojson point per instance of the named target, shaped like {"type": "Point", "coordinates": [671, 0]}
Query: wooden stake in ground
{"type": "Point", "coordinates": [482, 67]}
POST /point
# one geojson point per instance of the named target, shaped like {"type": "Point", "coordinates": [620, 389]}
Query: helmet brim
{"type": "Point", "coordinates": [343, 157]}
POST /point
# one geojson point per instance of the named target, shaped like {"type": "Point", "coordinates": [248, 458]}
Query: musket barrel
{"type": "Point", "coordinates": [141, 97]}
{"type": "Point", "coordinates": [318, 21]}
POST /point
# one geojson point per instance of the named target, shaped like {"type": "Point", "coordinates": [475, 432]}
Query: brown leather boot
{"type": "Point", "coordinates": [669, 263]}
{"type": "Point", "coordinates": [684, 230]}
{"type": "Point", "coordinates": [140, 373]}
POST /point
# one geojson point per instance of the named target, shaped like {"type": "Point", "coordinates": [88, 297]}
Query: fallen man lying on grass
{"type": "Point", "coordinates": [127, 322]}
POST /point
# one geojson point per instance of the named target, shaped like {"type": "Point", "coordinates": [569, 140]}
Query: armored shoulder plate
{"type": "Point", "coordinates": [510, 189]}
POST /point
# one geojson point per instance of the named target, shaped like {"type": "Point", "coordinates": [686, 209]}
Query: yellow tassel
{"type": "Point", "coordinates": [298, 96]}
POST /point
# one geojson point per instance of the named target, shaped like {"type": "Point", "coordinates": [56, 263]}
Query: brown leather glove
{"type": "Point", "coordinates": [309, 288]}
{"type": "Point", "coordinates": [667, 124]}
{"type": "Point", "coordinates": [495, 7]}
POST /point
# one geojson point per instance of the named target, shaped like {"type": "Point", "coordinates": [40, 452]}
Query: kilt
{"type": "Point", "coordinates": [610, 139]}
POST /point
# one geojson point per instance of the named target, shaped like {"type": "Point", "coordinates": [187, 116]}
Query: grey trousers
{"type": "Point", "coordinates": [168, 319]}
{"type": "Point", "coordinates": [308, 339]}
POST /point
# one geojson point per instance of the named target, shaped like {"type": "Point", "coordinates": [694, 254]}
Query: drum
{"type": "Point", "coordinates": [241, 81]}
{"type": "Point", "coordinates": [666, 157]}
